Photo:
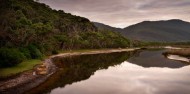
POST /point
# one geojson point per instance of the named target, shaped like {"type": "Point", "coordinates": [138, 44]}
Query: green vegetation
{"type": "Point", "coordinates": [21, 67]}
{"type": "Point", "coordinates": [10, 57]}
{"type": "Point", "coordinates": [54, 52]}
{"type": "Point", "coordinates": [34, 30]}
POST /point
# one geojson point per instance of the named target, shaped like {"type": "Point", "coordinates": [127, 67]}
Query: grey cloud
{"type": "Point", "coordinates": [152, 4]}
{"type": "Point", "coordinates": [121, 13]}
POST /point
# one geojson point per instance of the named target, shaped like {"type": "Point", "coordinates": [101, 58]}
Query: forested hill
{"type": "Point", "coordinates": [107, 27]}
{"type": "Point", "coordinates": [33, 29]}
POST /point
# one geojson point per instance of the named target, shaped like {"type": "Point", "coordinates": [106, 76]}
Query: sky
{"type": "Point", "coordinates": [122, 13]}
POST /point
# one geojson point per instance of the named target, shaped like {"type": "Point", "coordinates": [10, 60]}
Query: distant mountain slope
{"type": "Point", "coordinates": [158, 31]}
{"type": "Point", "coordinates": [107, 27]}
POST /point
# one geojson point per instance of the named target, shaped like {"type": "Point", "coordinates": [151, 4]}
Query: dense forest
{"type": "Point", "coordinates": [29, 30]}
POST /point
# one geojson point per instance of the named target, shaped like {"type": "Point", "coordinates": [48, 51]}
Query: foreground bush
{"type": "Point", "coordinates": [26, 53]}
{"type": "Point", "coordinates": [10, 57]}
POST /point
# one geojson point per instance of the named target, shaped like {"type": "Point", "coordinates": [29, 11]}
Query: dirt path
{"type": "Point", "coordinates": [94, 52]}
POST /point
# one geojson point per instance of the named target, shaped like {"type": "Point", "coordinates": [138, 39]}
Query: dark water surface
{"type": "Point", "coordinates": [138, 72]}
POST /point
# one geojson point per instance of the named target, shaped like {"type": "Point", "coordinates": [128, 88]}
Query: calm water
{"type": "Point", "coordinates": [139, 72]}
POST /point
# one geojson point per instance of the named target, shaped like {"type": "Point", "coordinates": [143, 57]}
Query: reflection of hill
{"type": "Point", "coordinates": [77, 68]}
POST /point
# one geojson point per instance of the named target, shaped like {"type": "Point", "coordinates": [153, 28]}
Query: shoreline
{"type": "Point", "coordinates": [28, 80]}
{"type": "Point", "coordinates": [178, 58]}
{"type": "Point", "coordinates": [94, 52]}
{"type": "Point", "coordinates": [182, 54]}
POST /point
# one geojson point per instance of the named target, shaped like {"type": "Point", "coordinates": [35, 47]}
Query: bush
{"type": "Point", "coordinates": [54, 52]}
{"type": "Point", "coordinates": [26, 52]}
{"type": "Point", "coordinates": [34, 52]}
{"type": "Point", "coordinates": [10, 57]}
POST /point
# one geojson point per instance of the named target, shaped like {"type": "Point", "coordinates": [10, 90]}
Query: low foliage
{"type": "Point", "coordinates": [10, 57]}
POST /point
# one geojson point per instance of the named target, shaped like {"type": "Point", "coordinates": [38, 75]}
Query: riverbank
{"type": "Point", "coordinates": [178, 58]}
{"type": "Point", "coordinates": [31, 78]}
{"type": "Point", "coordinates": [72, 53]}
{"type": "Point", "coordinates": [181, 52]}
{"type": "Point", "coordinates": [27, 80]}
{"type": "Point", "coordinates": [21, 67]}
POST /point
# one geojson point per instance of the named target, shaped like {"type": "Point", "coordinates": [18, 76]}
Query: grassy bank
{"type": "Point", "coordinates": [24, 66]}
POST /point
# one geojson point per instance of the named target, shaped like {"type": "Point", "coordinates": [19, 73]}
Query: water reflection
{"type": "Point", "coordinates": [129, 78]}
{"type": "Point", "coordinates": [77, 68]}
{"type": "Point", "coordinates": [109, 74]}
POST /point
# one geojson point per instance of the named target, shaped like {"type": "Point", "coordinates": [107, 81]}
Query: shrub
{"type": "Point", "coordinates": [10, 57]}
{"type": "Point", "coordinates": [26, 52]}
{"type": "Point", "coordinates": [54, 52]}
{"type": "Point", "coordinates": [34, 52]}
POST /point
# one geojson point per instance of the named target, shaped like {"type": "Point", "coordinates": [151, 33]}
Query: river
{"type": "Point", "coordinates": [135, 72]}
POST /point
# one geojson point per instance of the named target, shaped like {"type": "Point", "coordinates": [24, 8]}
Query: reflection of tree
{"type": "Point", "coordinates": [79, 68]}
{"type": "Point", "coordinates": [136, 53]}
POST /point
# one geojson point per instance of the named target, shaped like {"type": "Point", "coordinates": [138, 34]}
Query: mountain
{"type": "Point", "coordinates": [158, 31]}
{"type": "Point", "coordinates": [106, 27]}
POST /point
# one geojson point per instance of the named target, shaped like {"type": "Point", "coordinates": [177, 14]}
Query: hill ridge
{"type": "Point", "coordinates": [173, 30]}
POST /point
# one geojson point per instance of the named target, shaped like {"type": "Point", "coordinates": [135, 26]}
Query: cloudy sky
{"type": "Point", "coordinates": [122, 13]}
